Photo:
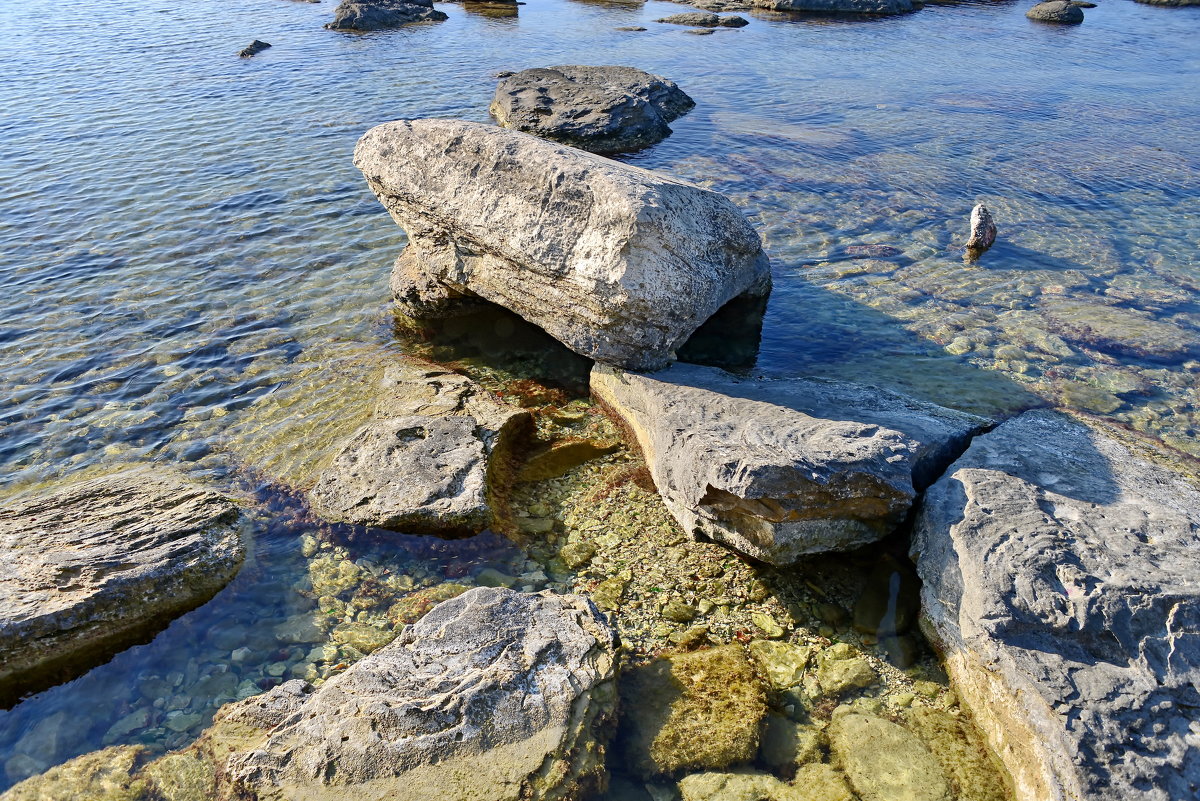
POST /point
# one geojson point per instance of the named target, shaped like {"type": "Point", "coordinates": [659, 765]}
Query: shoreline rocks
{"type": "Point", "coordinates": [1061, 586]}
{"type": "Point", "coordinates": [837, 6]}
{"type": "Point", "coordinates": [778, 469]}
{"type": "Point", "coordinates": [93, 567]}
{"type": "Point", "coordinates": [433, 460]}
{"type": "Point", "coordinates": [598, 109]}
{"type": "Point", "coordinates": [378, 15]}
{"type": "Point", "coordinates": [619, 264]}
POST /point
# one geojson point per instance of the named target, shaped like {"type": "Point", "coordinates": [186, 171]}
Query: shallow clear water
{"type": "Point", "coordinates": [193, 271]}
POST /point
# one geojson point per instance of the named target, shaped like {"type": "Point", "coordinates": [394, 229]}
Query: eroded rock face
{"type": "Point", "coordinates": [430, 462]}
{"type": "Point", "coordinates": [376, 15]}
{"type": "Point", "coordinates": [91, 567]}
{"type": "Point", "coordinates": [598, 109]}
{"type": "Point", "coordinates": [1061, 583]}
{"type": "Point", "coordinates": [782, 468]}
{"type": "Point", "coordinates": [492, 695]}
{"type": "Point", "coordinates": [1062, 12]}
{"type": "Point", "coordinates": [837, 6]}
{"type": "Point", "coordinates": [616, 262]}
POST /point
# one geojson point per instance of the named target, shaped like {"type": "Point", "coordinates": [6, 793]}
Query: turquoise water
{"type": "Point", "coordinates": [194, 272]}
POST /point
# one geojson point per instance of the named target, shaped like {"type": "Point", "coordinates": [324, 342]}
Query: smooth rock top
{"type": "Point", "coordinates": [375, 15]}
{"type": "Point", "coordinates": [1062, 582]}
{"type": "Point", "coordinates": [1063, 12]}
{"type": "Point", "coordinates": [598, 109]}
{"type": "Point", "coordinates": [702, 20]}
{"type": "Point", "coordinates": [778, 469]}
{"type": "Point", "coordinates": [618, 263]}
{"type": "Point", "coordinates": [492, 696]}
{"type": "Point", "coordinates": [838, 6]}
{"type": "Point", "coordinates": [94, 565]}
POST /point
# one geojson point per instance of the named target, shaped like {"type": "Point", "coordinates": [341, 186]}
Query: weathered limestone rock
{"type": "Point", "coordinates": [599, 109]}
{"type": "Point", "coordinates": [494, 695]}
{"type": "Point", "coordinates": [885, 761]}
{"type": "Point", "coordinates": [782, 468]}
{"type": "Point", "coordinates": [1062, 12]}
{"type": "Point", "coordinates": [94, 566]}
{"type": "Point", "coordinates": [702, 20]}
{"type": "Point", "coordinates": [432, 460]}
{"type": "Point", "coordinates": [983, 231]}
{"type": "Point", "coordinates": [617, 263]}
{"type": "Point", "coordinates": [376, 15]}
{"type": "Point", "coordinates": [699, 710]}
{"type": "Point", "coordinates": [837, 6]}
{"type": "Point", "coordinates": [1061, 584]}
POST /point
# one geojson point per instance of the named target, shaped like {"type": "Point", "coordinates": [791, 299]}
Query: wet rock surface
{"type": "Point", "coordinates": [93, 566]}
{"type": "Point", "coordinates": [492, 695]}
{"type": "Point", "coordinates": [701, 20]}
{"type": "Point", "coordinates": [837, 6]}
{"type": "Point", "coordinates": [254, 48]}
{"type": "Point", "coordinates": [596, 274]}
{"type": "Point", "coordinates": [1059, 578]}
{"type": "Point", "coordinates": [432, 460]}
{"type": "Point", "coordinates": [598, 109]}
{"type": "Point", "coordinates": [782, 468]}
{"type": "Point", "coordinates": [1062, 12]}
{"type": "Point", "coordinates": [376, 15]}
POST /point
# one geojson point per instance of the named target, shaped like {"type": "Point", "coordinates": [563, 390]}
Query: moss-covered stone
{"type": "Point", "coordinates": [700, 710]}
{"type": "Point", "coordinates": [782, 664]}
{"type": "Point", "coordinates": [813, 783]}
{"type": "Point", "coordinates": [974, 773]}
{"type": "Point", "coordinates": [106, 775]}
{"type": "Point", "coordinates": [840, 669]}
{"type": "Point", "coordinates": [787, 744]}
{"type": "Point", "coordinates": [885, 761]}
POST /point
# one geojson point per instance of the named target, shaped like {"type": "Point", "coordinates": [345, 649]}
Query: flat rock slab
{"type": "Point", "coordinates": [377, 15]}
{"type": "Point", "coordinates": [837, 6]}
{"type": "Point", "coordinates": [702, 20]}
{"type": "Point", "coordinates": [492, 696]}
{"type": "Point", "coordinates": [431, 461]}
{"type": "Point", "coordinates": [94, 566]}
{"type": "Point", "coordinates": [778, 469]}
{"type": "Point", "coordinates": [1062, 584]}
{"type": "Point", "coordinates": [618, 263]}
{"type": "Point", "coordinates": [598, 109]}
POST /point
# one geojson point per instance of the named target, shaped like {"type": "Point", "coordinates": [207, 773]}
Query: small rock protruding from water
{"type": "Point", "coordinates": [1061, 12]}
{"type": "Point", "coordinates": [254, 48]}
{"type": "Point", "coordinates": [698, 19]}
{"type": "Point", "coordinates": [983, 232]}
{"type": "Point", "coordinates": [375, 15]}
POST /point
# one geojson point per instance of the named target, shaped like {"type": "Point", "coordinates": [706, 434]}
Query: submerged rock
{"type": "Point", "coordinates": [782, 468]}
{"type": "Point", "coordinates": [599, 109]}
{"type": "Point", "coordinates": [254, 48]}
{"type": "Point", "coordinates": [95, 566]}
{"type": "Point", "coordinates": [494, 695]}
{"type": "Point", "coordinates": [375, 15]}
{"type": "Point", "coordinates": [983, 231]}
{"type": "Point", "coordinates": [701, 20]}
{"type": "Point", "coordinates": [1061, 584]}
{"type": "Point", "coordinates": [812, 783]}
{"type": "Point", "coordinates": [885, 761]}
{"type": "Point", "coordinates": [619, 264]}
{"type": "Point", "coordinates": [430, 463]}
{"type": "Point", "coordinates": [1063, 12]}
{"type": "Point", "coordinates": [838, 6]}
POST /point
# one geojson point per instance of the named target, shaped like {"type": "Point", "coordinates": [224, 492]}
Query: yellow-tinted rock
{"type": "Point", "coordinates": [105, 775]}
{"type": "Point", "coordinates": [885, 761]}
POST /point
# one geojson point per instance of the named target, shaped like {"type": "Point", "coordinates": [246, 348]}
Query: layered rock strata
{"type": "Point", "coordinates": [432, 461]}
{"type": "Point", "coordinates": [616, 262]}
{"type": "Point", "coordinates": [778, 469]}
{"type": "Point", "coordinates": [94, 566]}
{"type": "Point", "coordinates": [1061, 583]}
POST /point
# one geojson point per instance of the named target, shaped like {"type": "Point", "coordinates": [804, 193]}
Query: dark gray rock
{"type": "Point", "coordinates": [254, 48]}
{"type": "Point", "coordinates": [1062, 12]}
{"type": "Point", "coordinates": [376, 15]}
{"type": "Point", "coordinates": [838, 6]}
{"type": "Point", "coordinates": [618, 263]}
{"type": "Point", "coordinates": [702, 20]}
{"type": "Point", "coordinates": [983, 231]}
{"type": "Point", "coordinates": [431, 460]}
{"type": "Point", "coordinates": [96, 565]}
{"type": "Point", "coordinates": [1061, 584]}
{"type": "Point", "coordinates": [494, 696]}
{"type": "Point", "coordinates": [778, 469]}
{"type": "Point", "coordinates": [598, 109]}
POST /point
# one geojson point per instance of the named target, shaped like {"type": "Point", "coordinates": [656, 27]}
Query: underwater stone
{"type": "Point", "coordinates": [1061, 586]}
{"type": "Point", "coordinates": [787, 744]}
{"type": "Point", "coordinates": [598, 109]}
{"type": "Point", "coordinates": [375, 15]}
{"type": "Point", "coordinates": [494, 695]}
{"type": "Point", "coordinates": [783, 664]}
{"type": "Point", "coordinates": [841, 669]}
{"type": "Point", "coordinates": [885, 761]}
{"type": "Point", "coordinates": [105, 775]}
{"type": "Point", "coordinates": [778, 469]}
{"type": "Point", "coordinates": [95, 565]}
{"type": "Point", "coordinates": [812, 783]}
{"type": "Point", "coordinates": [618, 263]}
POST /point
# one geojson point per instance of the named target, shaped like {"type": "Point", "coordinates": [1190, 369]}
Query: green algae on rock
{"type": "Point", "coordinates": [885, 761]}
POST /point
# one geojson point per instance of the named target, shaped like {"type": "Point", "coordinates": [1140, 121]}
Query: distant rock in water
{"type": "Point", "coordinates": [94, 566]}
{"type": "Point", "coordinates": [779, 469]}
{"type": "Point", "coordinates": [254, 48]}
{"type": "Point", "coordinates": [1062, 12]}
{"type": "Point", "coordinates": [493, 696]}
{"type": "Point", "coordinates": [1062, 585]}
{"type": "Point", "coordinates": [983, 231]}
{"type": "Point", "coordinates": [630, 28]}
{"type": "Point", "coordinates": [375, 15]}
{"type": "Point", "coordinates": [872, 251]}
{"type": "Point", "coordinates": [701, 20]}
{"type": "Point", "coordinates": [1173, 3]}
{"type": "Point", "coordinates": [599, 109]}
{"type": "Point", "coordinates": [618, 263]}
{"type": "Point", "coordinates": [838, 6]}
